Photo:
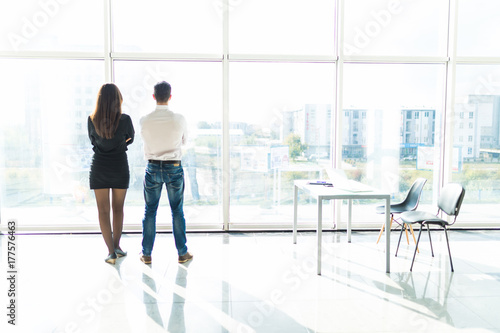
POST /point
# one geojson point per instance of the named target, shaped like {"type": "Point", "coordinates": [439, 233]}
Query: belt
{"type": "Point", "coordinates": [160, 162]}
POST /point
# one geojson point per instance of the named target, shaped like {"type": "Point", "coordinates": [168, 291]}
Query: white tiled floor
{"type": "Point", "coordinates": [256, 282]}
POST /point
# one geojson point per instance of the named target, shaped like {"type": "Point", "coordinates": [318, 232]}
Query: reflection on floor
{"type": "Point", "coordinates": [255, 282]}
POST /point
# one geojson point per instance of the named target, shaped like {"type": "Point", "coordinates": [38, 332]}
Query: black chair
{"type": "Point", "coordinates": [410, 203]}
{"type": "Point", "coordinates": [450, 200]}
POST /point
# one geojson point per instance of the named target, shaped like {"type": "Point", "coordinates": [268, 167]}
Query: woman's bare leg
{"type": "Point", "coordinates": [103, 208]}
{"type": "Point", "coordinates": [118, 200]}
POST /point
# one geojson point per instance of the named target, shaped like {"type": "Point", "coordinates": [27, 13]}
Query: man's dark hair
{"type": "Point", "coordinates": [162, 91]}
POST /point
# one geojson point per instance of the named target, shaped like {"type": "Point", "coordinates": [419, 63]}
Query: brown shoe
{"type": "Point", "coordinates": [185, 258]}
{"type": "Point", "coordinates": [145, 259]}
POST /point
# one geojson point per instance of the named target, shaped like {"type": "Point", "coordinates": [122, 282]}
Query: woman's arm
{"type": "Point", "coordinates": [130, 132]}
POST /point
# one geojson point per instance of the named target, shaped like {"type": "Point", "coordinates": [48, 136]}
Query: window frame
{"type": "Point", "coordinates": [225, 57]}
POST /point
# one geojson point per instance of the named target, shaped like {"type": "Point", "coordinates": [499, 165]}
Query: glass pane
{"type": "Point", "coordinates": [282, 27]}
{"type": "Point", "coordinates": [51, 25]}
{"type": "Point", "coordinates": [44, 147]}
{"type": "Point", "coordinates": [197, 94]}
{"type": "Point", "coordinates": [391, 128]}
{"type": "Point", "coordinates": [167, 26]}
{"type": "Point", "coordinates": [395, 28]}
{"type": "Point", "coordinates": [478, 28]}
{"type": "Point", "coordinates": [476, 141]}
{"type": "Point", "coordinates": [280, 122]}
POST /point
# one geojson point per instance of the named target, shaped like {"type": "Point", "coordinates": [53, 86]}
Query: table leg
{"type": "Point", "coordinates": [319, 231]}
{"type": "Point", "coordinates": [295, 193]}
{"type": "Point", "coordinates": [349, 221]}
{"type": "Point", "coordinates": [387, 235]}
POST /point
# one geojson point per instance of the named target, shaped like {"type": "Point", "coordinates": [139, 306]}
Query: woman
{"type": "Point", "coordinates": [110, 132]}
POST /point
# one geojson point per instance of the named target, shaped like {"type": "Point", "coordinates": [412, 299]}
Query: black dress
{"type": "Point", "coordinates": [109, 168]}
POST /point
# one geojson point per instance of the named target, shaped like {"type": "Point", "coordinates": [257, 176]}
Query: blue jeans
{"type": "Point", "coordinates": [172, 175]}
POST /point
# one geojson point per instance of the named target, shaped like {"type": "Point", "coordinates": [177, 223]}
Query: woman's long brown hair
{"type": "Point", "coordinates": [108, 110]}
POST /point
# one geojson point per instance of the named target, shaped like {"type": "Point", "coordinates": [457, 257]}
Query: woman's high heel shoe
{"type": "Point", "coordinates": [111, 259]}
{"type": "Point", "coordinates": [120, 253]}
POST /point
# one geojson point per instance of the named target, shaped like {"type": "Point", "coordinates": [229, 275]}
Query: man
{"type": "Point", "coordinates": [163, 133]}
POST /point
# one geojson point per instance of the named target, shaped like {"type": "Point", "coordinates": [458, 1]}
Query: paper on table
{"type": "Point", "coordinates": [319, 182]}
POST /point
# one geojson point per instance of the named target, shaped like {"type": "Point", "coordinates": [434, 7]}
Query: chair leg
{"type": "Point", "coordinates": [413, 234]}
{"type": "Point", "coordinates": [430, 240]}
{"type": "Point", "coordinates": [382, 229]}
{"type": "Point", "coordinates": [448, 243]}
{"type": "Point", "coordinates": [399, 241]}
{"type": "Point", "coordinates": [416, 246]}
{"type": "Point", "coordinates": [406, 232]}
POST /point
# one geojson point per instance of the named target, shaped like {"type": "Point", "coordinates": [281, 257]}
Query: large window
{"type": "Point", "coordinates": [196, 93]}
{"type": "Point", "coordinates": [273, 91]}
{"type": "Point", "coordinates": [477, 28]}
{"type": "Point", "coordinates": [395, 28]}
{"type": "Point", "coordinates": [57, 25]}
{"type": "Point", "coordinates": [399, 143]}
{"type": "Point", "coordinates": [44, 150]}
{"type": "Point", "coordinates": [285, 27]}
{"type": "Point", "coordinates": [167, 26]}
{"type": "Point", "coordinates": [280, 130]}
{"type": "Point", "coordinates": [476, 161]}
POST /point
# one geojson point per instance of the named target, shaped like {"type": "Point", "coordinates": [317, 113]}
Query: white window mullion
{"type": "Point", "coordinates": [395, 59]}
{"type": "Point", "coordinates": [108, 42]}
{"type": "Point", "coordinates": [449, 98]}
{"type": "Point", "coordinates": [478, 60]}
{"type": "Point", "coordinates": [280, 58]}
{"type": "Point", "coordinates": [336, 128]}
{"type": "Point", "coordinates": [59, 55]}
{"type": "Point", "coordinates": [155, 56]}
{"type": "Point", "coordinates": [336, 144]}
{"type": "Point", "coordinates": [225, 117]}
